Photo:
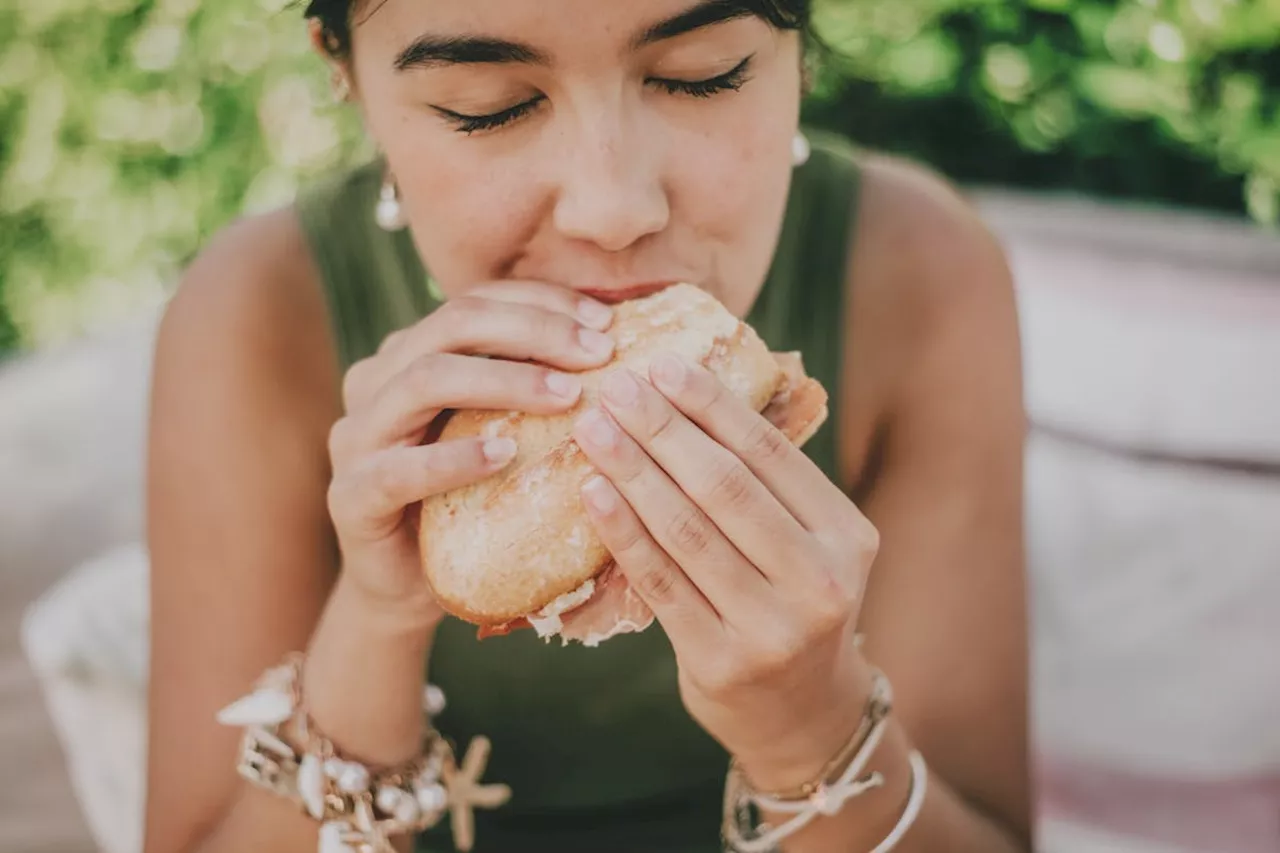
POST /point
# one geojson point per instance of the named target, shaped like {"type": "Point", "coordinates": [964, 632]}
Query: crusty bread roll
{"type": "Point", "coordinates": [518, 548]}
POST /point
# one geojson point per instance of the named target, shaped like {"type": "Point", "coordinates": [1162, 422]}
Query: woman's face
{"type": "Point", "coordinates": [606, 145]}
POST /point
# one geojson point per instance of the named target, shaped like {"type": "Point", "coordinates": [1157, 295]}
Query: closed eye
{"type": "Point", "coordinates": [469, 124]}
{"type": "Point", "coordinates": [731, 80]}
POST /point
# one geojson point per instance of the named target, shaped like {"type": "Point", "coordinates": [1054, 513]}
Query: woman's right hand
{"type": "Point", "coordinates": [504, 346]}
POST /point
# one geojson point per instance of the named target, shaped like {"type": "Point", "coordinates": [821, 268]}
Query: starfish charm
{"type": "Point", "coordinates": [466, 793]}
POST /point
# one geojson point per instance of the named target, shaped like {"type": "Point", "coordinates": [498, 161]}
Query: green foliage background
{"type": "Point", "coordinates": [130, 130]}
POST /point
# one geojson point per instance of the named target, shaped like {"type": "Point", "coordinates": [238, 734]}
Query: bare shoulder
{"type": "Point", "coordinates": [934, 364]}
{"type": "Point", "coordinates": [253, 293]}
{"type": "Point", "coordinates": [244, 389]}
{"type": "Point", "coordinates": [927, 281]}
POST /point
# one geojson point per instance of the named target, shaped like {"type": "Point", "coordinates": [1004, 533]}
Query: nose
{"type": "Point", "coordinates": [612, 192]}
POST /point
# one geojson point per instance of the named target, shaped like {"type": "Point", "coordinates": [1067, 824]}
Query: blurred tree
{"type": "Point", "coordinates": [130, 130]}
{"type": "Point", "coordinates": [1163, 100]}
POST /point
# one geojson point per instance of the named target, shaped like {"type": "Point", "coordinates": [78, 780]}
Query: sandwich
{"type": "Point", "coordinates": [518, 550]}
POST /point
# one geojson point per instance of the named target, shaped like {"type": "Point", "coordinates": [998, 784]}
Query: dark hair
{"type": "Point", "coordinates": [335, 17]}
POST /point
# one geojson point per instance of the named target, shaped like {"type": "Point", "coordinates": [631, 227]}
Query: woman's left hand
{"type": "Point", "coordinates": [750, 557]}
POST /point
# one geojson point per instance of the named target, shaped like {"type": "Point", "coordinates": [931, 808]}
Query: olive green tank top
{"type": "Point", "coordinates": [595, 743]}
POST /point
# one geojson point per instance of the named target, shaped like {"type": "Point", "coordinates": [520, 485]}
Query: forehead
{"type": "Point", "coordinates": [557, 28]}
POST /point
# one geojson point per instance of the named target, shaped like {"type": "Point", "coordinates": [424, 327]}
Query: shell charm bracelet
{"type": "Point", "coordinates": [360, 810]}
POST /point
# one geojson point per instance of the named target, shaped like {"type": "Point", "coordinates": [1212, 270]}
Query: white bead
{"type": "Point", "coordinates": [800, 149]}
{"type": "Point", "coordinates": [389, 799]}
{"type": "Point", "coordinates": [311, 786]}
{"type": "Point", "coordinates": [266, 707]}
{"type": "Point", "coordinates": [432, 798]}
{"type": "Point", "coordinates": [331, 837]}
{"type": "Point", "coordinates": [333, 767]}
{"type": "Point", "coordinates": [409, 811]}
{"type": "Point", "coordinates": [397, 803]}
{"type": "Point", "coordinates": [433, 700]}
{"type": "Point", "coordinates": [353, 779]}
{"type": "Point", "coordinates": [388, 213]}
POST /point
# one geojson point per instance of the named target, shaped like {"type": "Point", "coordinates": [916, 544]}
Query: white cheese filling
{"type": "Point", "coordinates": [547, 621]}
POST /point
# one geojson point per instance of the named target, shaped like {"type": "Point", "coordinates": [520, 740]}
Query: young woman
{"type": "Point", "coordinates": [540, 162]}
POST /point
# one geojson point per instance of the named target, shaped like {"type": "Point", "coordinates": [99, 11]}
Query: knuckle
{"type": "Point", "coordinates": [550, 326]}
{"type": "Point", "coordinates": [664, 421]}
{"type": "Point", "coordinates": [336, 500]}
{"type": "Point", "coordinates": [629, 539]}
{"type": "Point", "coordinates": [704, 391]}
{"type": "Point", "coordinates": [353, 384]}
{"type": "Point", "coordinates": [732, 486]}
{"type": "Point", "coordinates": [465, 315]}
{"type": "Point", "coordinates": [868, 539]}
{"type": "Point", "coordinates": [391, 341]}
{"type": "Point", "coordinates": [380, 483]}
{"type": "Point", "coordinates": [690, 532]}
{"type": "Point", "coordinates": [421, 379]}
{"type": "Point", "coordinates": [339, 440]}
{"type": "Point", "coordinates": [775, 655]}
{"type": "Point", "coordinates": [765, 442]}
{"type": "Point", "coordinates": [632, 464]}
{"type": "Point", "coordinates": [831, 606]}
{"type": "Point", "coordinates": [344, 505]}
{"type": "Point", "coordinates": [657, 583]}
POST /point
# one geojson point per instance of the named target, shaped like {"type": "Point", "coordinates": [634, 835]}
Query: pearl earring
{"type": "Point", "coordinates": [800, 149]}
{"type": "Point", "coordinates": [340, 87]}
{"type": "Point", "coordinates": [389, 214]}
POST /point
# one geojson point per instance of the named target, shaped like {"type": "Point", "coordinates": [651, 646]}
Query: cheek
{"type": "Point", "coordinates": [731, 193]}
{"type": "Point", "coordinates": [466, 217]}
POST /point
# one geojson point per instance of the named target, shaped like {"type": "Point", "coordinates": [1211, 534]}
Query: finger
{"type": "Point", "coordinates": [401, 412]}
{"type": "Point", "coordinates": [685, 614]}
{"type": "Point", "coordinates": [471, 325]}
{"type": "Point", "coordinates": [368, 502]}
{"type": "Point", "coordinates": [679, 527]}
{"type": "Point", "coordinates": [717, 481]}
{"type": "Point", "coordinates": [562, 300]}
{"type": "Point", "coordinates": [592, 313]}
{"type": "Point", "coordinates": [793, 478]}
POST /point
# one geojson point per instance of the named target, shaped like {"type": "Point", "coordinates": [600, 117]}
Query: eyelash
{"type": "Point", "coordinates": [731, 81]}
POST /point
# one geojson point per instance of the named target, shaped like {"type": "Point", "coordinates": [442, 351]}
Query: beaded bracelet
{"type": "Point", "coordinates": [360, 809]}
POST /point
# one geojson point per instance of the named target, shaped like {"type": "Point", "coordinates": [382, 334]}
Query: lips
{"type": "Point", "coordinates": [613, 295]}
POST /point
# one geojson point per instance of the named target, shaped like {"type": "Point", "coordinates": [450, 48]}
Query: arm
{"type": "Point", "coordinates": [761, 569]}
{"type": "Point", "coordinates": [935, 335]}
{"type": "Point", "coordinates": [260, 474]}
{"type": "Point", "coordinates": [243, 558]}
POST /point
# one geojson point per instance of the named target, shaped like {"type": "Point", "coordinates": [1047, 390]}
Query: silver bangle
{"type": "Point", "coordinates": [915, 802]}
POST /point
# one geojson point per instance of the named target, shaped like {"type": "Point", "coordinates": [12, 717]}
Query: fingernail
{"type": "Point", "coordinates": [598, 428]}
{"type": "Point", "coordinates": [600, 495]}
{"type": "Point", "coordinates": [564, 386]}
{"type": "Point", "coordinates": [499, 451]}
{"type": "Point", "coordinates": [620, 388]}
{"type": "Point", "coordinates": [669, 372]}
{"type": "Point", "coordinates": [595, 314]}
{"type": "Point", "coordinates": [595, 343]}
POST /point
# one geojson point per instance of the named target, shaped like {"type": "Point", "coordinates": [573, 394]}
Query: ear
{"type": "Point", "coordinates": [324, 44]}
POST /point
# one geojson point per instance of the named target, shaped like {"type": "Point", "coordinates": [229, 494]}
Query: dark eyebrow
{"type": "Point", "coordinates": [704, 14]}
{"type": "Point", "coordinates": [432, 51]}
